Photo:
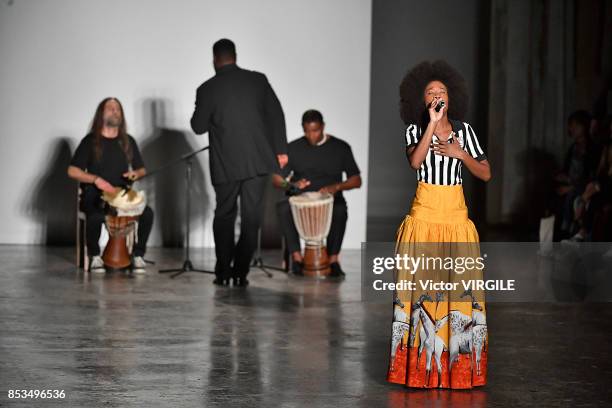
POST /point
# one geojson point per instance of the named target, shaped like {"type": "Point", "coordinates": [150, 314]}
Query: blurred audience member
{"type": "Point", "coordinates": [578, 170]}
{"type": "Point", "coordinates": [593, 207]}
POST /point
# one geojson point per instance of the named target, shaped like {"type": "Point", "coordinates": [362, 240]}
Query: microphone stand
{"type": "Point", "coordinates": [258, 261]}
{"type": "Point", "coordinates": [187, 265]}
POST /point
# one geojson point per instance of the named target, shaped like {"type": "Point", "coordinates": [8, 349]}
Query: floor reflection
{"type": "Point", "coordinates": [118, 339]}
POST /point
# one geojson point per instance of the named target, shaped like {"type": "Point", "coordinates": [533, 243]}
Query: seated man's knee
{"type": "Point", "coordinates": [95, 217]}
{"type": "Point", "coordinates": [340, 212]}
{"type": "Point", "coordinates": [147, 214]}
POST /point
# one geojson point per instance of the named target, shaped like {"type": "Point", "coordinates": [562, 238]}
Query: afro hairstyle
{"type": "Point", "coordinates": [412, 108]}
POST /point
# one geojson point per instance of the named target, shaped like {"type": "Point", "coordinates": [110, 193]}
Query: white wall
{"type": "Point", "coordinates": [60, 58]}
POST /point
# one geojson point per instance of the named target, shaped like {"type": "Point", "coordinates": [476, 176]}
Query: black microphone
{"type": "Point", "coordinates": [440, 106]}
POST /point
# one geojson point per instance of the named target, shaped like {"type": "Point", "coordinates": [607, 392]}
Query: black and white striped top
{"type": "Point", "coordinates": [438, 169]}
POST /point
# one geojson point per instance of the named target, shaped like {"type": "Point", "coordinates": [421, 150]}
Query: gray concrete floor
{"type": "Point", "coordinates": [119, 340]}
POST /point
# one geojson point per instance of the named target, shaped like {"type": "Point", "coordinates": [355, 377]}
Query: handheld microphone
{"type": "Point", "coordinates": [440, 106]}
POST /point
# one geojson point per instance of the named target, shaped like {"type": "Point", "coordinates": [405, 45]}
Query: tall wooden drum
{"type": "Point", "coordinates": [116, 254]}
{"type": "Point", "coordinates": [312, 214]}
{"type": "Point", "coordinates": [122, 211]}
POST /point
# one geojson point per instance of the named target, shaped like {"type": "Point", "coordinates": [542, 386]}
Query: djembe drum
{"type": "Point", "coordinates": [122, 212]}
{"type": "Point", "coordinates": [312, 214]}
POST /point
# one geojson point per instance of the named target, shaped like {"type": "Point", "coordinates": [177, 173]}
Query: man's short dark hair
{"type": "Point", "coordinates": [581, 117]}
{"type": "Point", "coordinates": [312, 116]}
{"type": "Point", "coordinates": [224, 48]}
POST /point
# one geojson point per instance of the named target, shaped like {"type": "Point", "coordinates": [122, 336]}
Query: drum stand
{"type": "Point", "coordinates": [187, 265]}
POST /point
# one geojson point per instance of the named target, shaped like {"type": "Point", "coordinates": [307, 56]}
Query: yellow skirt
{"type": "Point", "coordinates": [439, 336]}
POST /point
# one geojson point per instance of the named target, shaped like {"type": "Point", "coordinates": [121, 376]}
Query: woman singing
{"type": "Point", "coordinates": [439, 337]}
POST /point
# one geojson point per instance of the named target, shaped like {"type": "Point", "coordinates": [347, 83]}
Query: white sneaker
{"type": "Point", "coordinates": [573, 241]}
{"type": "Point", "coordinates": [97, 265]}
{"type": "Point", "coordinates": [139, 265]}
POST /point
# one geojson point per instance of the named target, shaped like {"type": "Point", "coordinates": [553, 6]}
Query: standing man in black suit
{"type": "Point", "coordinates": [248, 142]}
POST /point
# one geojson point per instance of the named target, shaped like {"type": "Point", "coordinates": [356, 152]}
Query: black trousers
{"type": "Point", "coordinates": [336, 231]}
{"type": "Point", "coordinates": [234, 259]}
{"type": "Point", "coordinates": [92, 207]}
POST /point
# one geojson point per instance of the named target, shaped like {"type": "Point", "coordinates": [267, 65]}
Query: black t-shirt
{"type": "Point", "coordinates": [322, 165]}
{"type": "Point", "coordinates": [113, 160]}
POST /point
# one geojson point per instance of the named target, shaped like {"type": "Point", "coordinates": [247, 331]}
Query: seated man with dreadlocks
{"type": "Point", "coordinates": [106, 159]}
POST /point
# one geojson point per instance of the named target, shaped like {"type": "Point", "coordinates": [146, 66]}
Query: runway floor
{"type": "Point", "coordinates": [118, 340]}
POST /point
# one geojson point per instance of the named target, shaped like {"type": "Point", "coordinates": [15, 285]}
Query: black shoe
{"type": "Point", "coordinates": [336, 271]}
{"type": "Point", "coordinates": [240, 282]}
{"type": "Point", "coordinates": [297, 268]}
{"type": "Point", "coordinates": [219, 281]}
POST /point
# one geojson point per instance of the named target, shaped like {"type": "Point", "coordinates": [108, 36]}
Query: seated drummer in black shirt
{"type": "Point", "coordinates": [317, 162]}
{"type": "Point", "coordinates": [106, 159]}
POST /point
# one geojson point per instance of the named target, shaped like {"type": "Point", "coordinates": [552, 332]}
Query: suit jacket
{"type": "Point", "coordinates": [245, 123]}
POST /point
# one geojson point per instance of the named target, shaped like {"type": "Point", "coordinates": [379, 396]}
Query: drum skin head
{"type": "Point", "coordinates": [310, 197]}
{"type": "Point", "coordinates": [126, 202]}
